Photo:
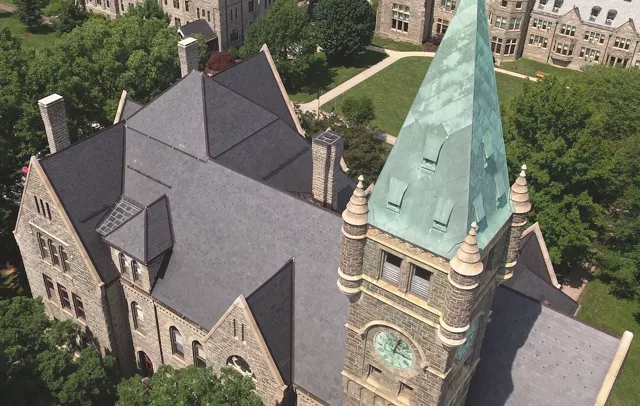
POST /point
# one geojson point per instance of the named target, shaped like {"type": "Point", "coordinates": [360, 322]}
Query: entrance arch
{"type": "Point", "coordinates": [145, 364]}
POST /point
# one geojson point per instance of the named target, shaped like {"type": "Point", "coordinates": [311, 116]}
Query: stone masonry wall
{"type": "Point", "coordinates": [421, 15]}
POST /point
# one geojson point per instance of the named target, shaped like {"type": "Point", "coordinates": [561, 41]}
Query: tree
{"type": "Point", "coordinates": [37, 365]}
{"type": "Point", "coordinates": [149, 9]}
{"type": "Point", "coordinates": [219, 62]}
{"type": "Point", "coordinates": [580, 138]}
{"type": "Point", "coordinates": [358, 109]}
{"type": "Point", "coordinates": [287, 31]}
{"type": "Point", "coordinates": [28, 12]}
{"type": "Point", "coordinates": [188, 386]}
{"type": "Point", "coordinates": [67, 14]}
{"type": "Point", "coordinates": [345, 27]}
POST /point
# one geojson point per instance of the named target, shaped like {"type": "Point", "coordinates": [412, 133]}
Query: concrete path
{"type": "Point", "coordinates": [393, 56]}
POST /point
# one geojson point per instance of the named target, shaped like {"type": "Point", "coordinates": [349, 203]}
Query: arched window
{"type": "Point", "coordinates": [124, 265]}
{"type": "Point", "coordinates": [44, 249]}
{"type": "Point", "coordinates": [239, 364]}
{"type": "Point", "coordinates": [136, 314]}
{"type": "Point", "coordinates": [64, 259]}
{"type": "Point", "coordinates": [135, 268]}
{"type": "Point", "coordinates": [55, 259]}
{"type": "Point", "coordinates": [176, 342]}
{"type": "Point", "coordinates": [199, 358]}
{"type": "Point", "coordinates": [234, 35]}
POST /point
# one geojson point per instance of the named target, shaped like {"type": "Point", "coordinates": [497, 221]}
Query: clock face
{"type": "Point", "coordinates": [394, 350]}
{"type": "Point", "coordinates": [471, 334]}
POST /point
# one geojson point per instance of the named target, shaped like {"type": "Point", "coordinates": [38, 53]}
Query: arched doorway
{"type": "Point", "coordinates": [145, 364]}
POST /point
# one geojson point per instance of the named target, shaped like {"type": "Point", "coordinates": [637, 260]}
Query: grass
{"type": "Point", "coordinates": [394, 88]}
{"type": "Point", "coordinates": [327, 79]}
{"type": "Point", "coordinates": [394, 45]}
{"type": "Point", "coordinates": [530, 67]}
{"type": "Point", "coordinates": [7, 2]}
{"type": "Point", "coordinates": [602, 309]}
{"type": "Point", "coordinates": [42, 37]}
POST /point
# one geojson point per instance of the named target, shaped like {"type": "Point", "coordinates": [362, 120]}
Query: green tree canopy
{"type": "Point", "coordinates": [345, 27]}
{"type": "Point", "coordinates": [37, 365]}
{"type": "Point", "coordinates": [287, 31]}
{"type": "Point", "coordinates": [188, 386]}
{"type": "Point", "coordinates": [358, 109]}
{"type": "Point", "coordinates": [149, 9]}
{"type": "Point", "coordinates": [580, 139]}
{"type": "Point", "coordinates": [28, 12]}
{"type": "Point", "coordinates": [67, 14]}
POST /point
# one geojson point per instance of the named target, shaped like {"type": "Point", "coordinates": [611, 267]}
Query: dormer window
{"type": "Point", "coordinates": [557, 4]}
{"type": "Point", "coordinates": [611, 15]}
{"type": "Point", "coordinates": [432, 147]}
{"type": "Point", "coordinates": [442, 214]}
{"type": "Point", "coordinates": [397, 188]}
{"type": "Point", "coordinates": [595, 12]}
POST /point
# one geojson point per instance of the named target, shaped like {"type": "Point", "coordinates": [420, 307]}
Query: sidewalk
{"type": "Point", "coordinates": [393, 57]}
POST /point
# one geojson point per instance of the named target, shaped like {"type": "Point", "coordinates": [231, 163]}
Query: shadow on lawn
{"type": "Point", "coordinates": [42, 29]}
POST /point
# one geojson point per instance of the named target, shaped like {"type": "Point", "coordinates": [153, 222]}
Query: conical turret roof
{"type": "Point", "coordinates": [448, 167]}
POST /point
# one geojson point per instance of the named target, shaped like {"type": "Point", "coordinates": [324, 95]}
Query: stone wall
{"type": "Point", "coordinates": [420, 18]}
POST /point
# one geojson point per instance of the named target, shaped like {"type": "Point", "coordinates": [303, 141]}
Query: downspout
{"type": "Point", "coordinates": [155, 311]}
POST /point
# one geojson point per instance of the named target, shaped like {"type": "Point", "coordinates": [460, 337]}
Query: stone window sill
{"type": "Point", "coordinates": [179, 358]}
{"type": "Point", "coordinates": [141, 334]}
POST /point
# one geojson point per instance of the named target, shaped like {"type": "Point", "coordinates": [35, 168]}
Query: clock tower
{"type": "Point", "coordinates": [423, 254]}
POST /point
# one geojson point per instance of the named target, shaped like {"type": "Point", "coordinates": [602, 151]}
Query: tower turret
{"type": "Point", "coordinates": [354, 232]}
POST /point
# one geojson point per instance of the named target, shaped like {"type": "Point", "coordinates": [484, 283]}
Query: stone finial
{"type": "Point", "coordinates": [357, 208]}
{"type": "Point", "coordinates": [54, 116]}
{"type": "Point", "coordinates": [520, 193]}
{"type": "Point", "coordinates": [467, 261]}
{"type": "Point", "coordinates": [188, 54]}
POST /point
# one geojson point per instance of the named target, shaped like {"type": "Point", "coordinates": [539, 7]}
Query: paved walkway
{"type": "Point", "coordinates": [392, 58]}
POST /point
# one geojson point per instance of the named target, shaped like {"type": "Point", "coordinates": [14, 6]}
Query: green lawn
{"type": "Point", "coordinates": [394, 45]}
{"type": "Point", "coordinates": [336, 75]}
{"type": "Point", "coordinates": [7, 2]}
{"type": "Point", "coordinates": [394, 88]}
{"type": "Point", "coordinates": [616, 316]}
{"type": "Point", "coordinates": [530, 67]}
{"type": "Point", "coordinates": [42, 37]}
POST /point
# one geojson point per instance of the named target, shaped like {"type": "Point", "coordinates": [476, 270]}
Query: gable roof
{"type": "Point", "coordinates": [197, 27]}
{"type": "Point", "coordinates": [533, 355]}
{"type": "Point", "coordinates": [448, 167]}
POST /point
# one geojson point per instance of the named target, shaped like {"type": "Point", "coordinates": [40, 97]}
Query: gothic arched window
{"type": "Point", "coordinates": [135, 270]}
{"type": "Point", "coordinates": [136, 314]}
{"type": "Point", "coordinates": [124, 265]}
{"type": "Point", "coordinates": [176, 342]}
{"type": "Point", "coordinates": [199, 358]}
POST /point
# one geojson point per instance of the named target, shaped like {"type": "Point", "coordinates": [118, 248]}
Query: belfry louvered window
{"type": "Point", "coordinates": [420, 282]}
{"type": "Point", "coordinates": [391, 268]}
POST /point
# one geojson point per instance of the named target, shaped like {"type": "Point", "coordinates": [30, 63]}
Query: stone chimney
{"type": "Point", "coordinates": [54, 116]}
{"type": "Point", "coordinates": [188, 53]}
{"type": "Point", "coordinates": [327, 148]}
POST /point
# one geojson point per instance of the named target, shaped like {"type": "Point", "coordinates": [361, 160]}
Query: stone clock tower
{"type": "Point", "coordinates": [422, 256]}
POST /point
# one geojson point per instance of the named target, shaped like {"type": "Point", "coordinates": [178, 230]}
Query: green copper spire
{"type": "Point", "coordinates": [448, 167]}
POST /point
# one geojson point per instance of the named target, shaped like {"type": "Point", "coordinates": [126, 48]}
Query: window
{"type": "Point", "coordinates": [177, 22]}
{"type": "Point", "coordinates": [569, 30]}
{"type": "Point", "coordinates": [622, 43]}
{"type": "Point", "coordinates": [48, 285]}
{"type": "Point", "coordinates": [79, 307]}
{"type": "Point", "coordinates": [136, 314]}
{"type": "Point", "coordinates": [557, 4]}
{"type": "Point", "coordinates": [496, 45]}
{"type": "Point", "coordinates": [124, 264]}
{"type": "Point", "coordinates": [64, 259]}
{"type": "Point", "coordinates": [231, 15]}
{"type": "Point", "coordinates": [251, 6]}
{"type": "Point", "coordinates": [176, 342]}
{"type": "Point", "coordinates": [611, 15]}
{"type": "Point", "coordinates": [400, 18]}
{"type": "Point", "coordinates": [108, 5]}
{"type": "Point", "coordinates": [242, 332]}
{"type": "Point", "coordinates": [44, 248]}
{"type": "Point", "coordinates": [37, 204]}
{"type": "Point", "coordinates": [55, 259]}
{"type": "Point", "coordinates": [514, 23]}
{"type": "Point", "coordinates": [186, 5]}
{"type": "Point", "coordinates": [420, 282]}
{"type": "Point", "coordinates": [234, 35]}
{"type": "Point", "coordinates": [501, 22]}
{"type": "Point", "coordinates": [64, 297]}
{"type": "Point", "coordinates": [42, 207]}
{"type": "Point", "coordinates": [135, 268]}
{"type": "Point", "coordinates": [510, 46]}
{"type": "Point", "coordinates": [176, 3]}
{"type": "Point", "coordinates": [541, 24]}
{"type": "Point", "coordinates": [374, 374]}
{"type": "Point", "coordinates": [48, 210]}
{"type": "Point", "coordinates": [613, 61]}
{"type": "Point", "coordinates": [441, 26]}
{"type": "Point", "coordinates": [518, 5]}
{"type": "Point", "coordinates": [448, 5]}
{"type": "Point", "coordinates": [405, 393]}
{"type": "Point", "coordinates": [391, 268]}
{"type": "Point", "coordinates": [595, 12]}
{"type": "Point", "coordinates": [199, 358]}
{"type": "Point", "coordinates": [209, 16]}
{"type": "Point", "coordinates": [589, 54]}
{"type": "Point", "coordinates": [538, 41]}
{"type": "Point", "coordinates": [122, 6]}
{"type": "Point", "coordinates": [235, 328]}
{"type": "Point", "coordinates": [198, 12]}
{"type": "Point", "coordinates": [564, 49]}
{"type": "Point", "coordinates": [504, 3]}
{"type": "Point", "coordinates": [594, 37]}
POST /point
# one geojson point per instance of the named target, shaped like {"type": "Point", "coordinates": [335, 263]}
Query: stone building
{"type": "Point", "coordinates": [228, 19]}
{"type": "Point", "coordinates": [560, 32]}
{"type": "Point", "coordinates": [203, 228]}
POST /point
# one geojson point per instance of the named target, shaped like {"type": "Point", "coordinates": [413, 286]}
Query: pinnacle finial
{"type": "Point", "coordinates": [357, 208]}
{"type": "Point", "coordinates": [467, 260]}
{"type": "Point", "coordinates": [360, 180]}
{"type": "Point", "coordinates": [523, 172]}
{"type": "Point", "coordinates": [520, 193]}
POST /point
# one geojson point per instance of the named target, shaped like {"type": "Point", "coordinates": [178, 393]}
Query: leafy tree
{"type": "Point", "coordinates": [28, 12]}
{"type": "Point", "coordinates": [37, 365]}
{"type": "Point", "coordinates": [149, 9]}
{"type": "Point", "coordinates": [188, 386]}
{"type": "Point", "coordinates": [580, 138]}
{"type": "Point", "coordinates": [287, 31]}
{"type": "Point", "coordinates": [345, 26]}
{"type": "Point", "coordinates": [219, 62]}
{"type": "Point", "coordinates": [358, 109]}
{"type": "Point", "coordinates": [68, 14]}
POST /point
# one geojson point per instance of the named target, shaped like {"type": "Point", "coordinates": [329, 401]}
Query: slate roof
{"type": "Point", "coordinates": [197, 27]}
{"type": "Point", "coordinates": [626, 10]}
{"type": "Point", "coordinates": [448, 167]}
{"type": "Point", "coordinates": [129, 108]}
{"type": "Point", "coordinates": [533, 355]}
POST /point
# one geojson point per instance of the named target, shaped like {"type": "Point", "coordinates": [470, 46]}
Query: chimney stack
{"type": "Point", "coordinates": [188, 53]}
{"type": "Point", "coordinates": [327, 148]}
{"type": "Point", "coordinates": [54, 117]}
